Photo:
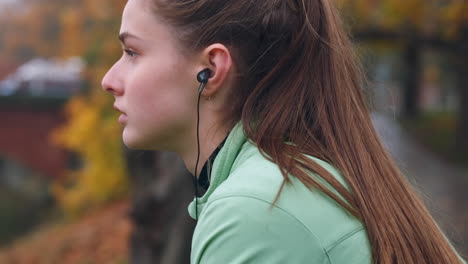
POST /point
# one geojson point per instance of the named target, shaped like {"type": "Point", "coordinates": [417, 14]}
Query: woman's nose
{"type": "Point", "coordinates": [112, 84]}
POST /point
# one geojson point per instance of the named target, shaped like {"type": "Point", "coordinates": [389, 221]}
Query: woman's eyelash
{"type": "Point", "coordinates": [130, 53]}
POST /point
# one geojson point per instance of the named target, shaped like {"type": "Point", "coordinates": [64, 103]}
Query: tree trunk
{"type": "Point", "coordinates": [411, 80]}
{"type": "Point", "coordinates": [162, 191]}
{"type": "Point", "coordinates": [462, 82]}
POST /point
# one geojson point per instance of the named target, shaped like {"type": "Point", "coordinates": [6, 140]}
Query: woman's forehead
{"type": "Point", "coordinates": [139, 21]}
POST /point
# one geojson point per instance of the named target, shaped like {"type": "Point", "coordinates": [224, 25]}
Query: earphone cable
{"type": "Point", "coordinates": [195, 179]}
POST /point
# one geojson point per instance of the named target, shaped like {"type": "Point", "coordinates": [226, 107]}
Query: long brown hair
{"type": "Point", "coordinates": [300, 82]}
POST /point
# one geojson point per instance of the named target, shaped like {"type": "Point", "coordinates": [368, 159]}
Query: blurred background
{"type": "Point", "coordinates": [70, 192]}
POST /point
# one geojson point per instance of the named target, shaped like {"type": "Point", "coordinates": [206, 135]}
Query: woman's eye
{"type": "Point", "coordinates": [130, 53]}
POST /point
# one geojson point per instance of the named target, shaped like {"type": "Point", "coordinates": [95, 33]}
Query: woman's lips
{"type": "Point", "coordinates": [123, 118]}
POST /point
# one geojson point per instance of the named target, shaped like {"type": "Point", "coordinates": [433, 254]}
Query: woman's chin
{"type": "Point", "coordinates": [131, 141]}
{"type": "Point", "coordinates": [133, 146]}
{"type": "Point", "coordinates": [140, 139]}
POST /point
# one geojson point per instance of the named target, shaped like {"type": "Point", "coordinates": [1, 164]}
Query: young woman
{"type": "Point", "coordinates": [294, 170]}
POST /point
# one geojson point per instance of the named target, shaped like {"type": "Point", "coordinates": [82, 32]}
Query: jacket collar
{"type": "Point", "coordinates": [222, 167]}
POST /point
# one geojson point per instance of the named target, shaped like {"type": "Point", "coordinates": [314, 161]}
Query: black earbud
{"type": "Point", "coordinates": [204, 75]}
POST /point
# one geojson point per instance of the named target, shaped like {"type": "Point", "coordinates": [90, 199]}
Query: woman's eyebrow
{"type": "Point", "coordinates": [125, 35]}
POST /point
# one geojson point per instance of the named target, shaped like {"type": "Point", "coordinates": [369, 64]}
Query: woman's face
{"type": "Point", "coordinates": [153, 83]}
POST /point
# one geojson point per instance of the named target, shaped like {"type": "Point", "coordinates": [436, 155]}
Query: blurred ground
{"type": "Point", "coordinates": [443, 186]}
{"type": "Point", "coordinates": [101, 237]}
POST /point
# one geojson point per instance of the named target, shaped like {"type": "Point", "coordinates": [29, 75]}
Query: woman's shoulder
{"type": "Point", "coordinates": [234, 229]}
{"type": "Point", "coordinates": [243, 228]}
{"type": "Point", "coordinates": [254, 182]}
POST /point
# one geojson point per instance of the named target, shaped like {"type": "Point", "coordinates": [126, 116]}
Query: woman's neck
{"type": "Point", "coordinates": [210, 137]}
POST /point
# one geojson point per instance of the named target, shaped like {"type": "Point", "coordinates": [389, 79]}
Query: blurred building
{"type": "Point", "coordinates": [31, 100]}
{"type": "Point", "coordinates": [44, 77]}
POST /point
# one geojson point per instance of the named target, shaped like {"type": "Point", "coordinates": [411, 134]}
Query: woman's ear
{"type": "Point", "coordinates": [217, 58]}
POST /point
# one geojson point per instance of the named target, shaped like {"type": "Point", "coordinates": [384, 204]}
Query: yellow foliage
{"type": "Point", "coordinates": [72, 42]}
{"type": "Point", "coordinates": [403, 13]}
{"type": "Point", "coordinates": [432, 17]}
{"type": "Point", "coordinates": [359, 10]}
{"type": "Point", "coordinates": [455, 17]}
{"type": "Point", "coordinates": [97, 138]}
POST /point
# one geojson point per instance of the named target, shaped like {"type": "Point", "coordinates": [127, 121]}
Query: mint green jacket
{"type": "Point", "coordinates": [236, 223]}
